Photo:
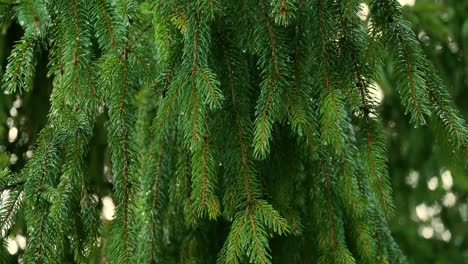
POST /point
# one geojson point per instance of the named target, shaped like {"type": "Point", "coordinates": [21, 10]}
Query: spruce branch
{"type": "Point", "coordinates": [375, 148]}
{"type": "Point", "coordinates": [19, 74]}
{"type": "Point", "coordinates": [375, 153]}
{"type": "Point", "coordinates": [33, 16]}
{"type": "Point", "coordinates": [102, 15]}
{"type": "Point", "coordinates": [10, 206]}
{"type": "Point", "coordinates": [449, 127]}
{"type": "Point", "coordinates": [271, 38]}
{"type": "Point", "coordinates": [283, 11]}
{"type": "Point", "coordinates": [332, 109]}
{"type": "Point", "coordinates": [125, 160]}
{"type": "Point", "coordinates": [40, 173]}
{"type": "Point", "coordinates": [329, 205]}
{"type": "Point", "coordinates": [273, 62]}
{"type": "Point", "coordinates": [266, 104]}
{"type": "Point", "coordinates": [120, 133]}
{"type": "Point", "coordinates": [204, 181]}
{"type": "Point", "coordinates": [388, 23]}
{"type": "Point", "coordinates": [331, 241]}
{"type": "Point", "coordinates": [254, 215]}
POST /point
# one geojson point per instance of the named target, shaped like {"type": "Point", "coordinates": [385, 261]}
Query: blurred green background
{"type": "Point", "coordinates": [431, 193]}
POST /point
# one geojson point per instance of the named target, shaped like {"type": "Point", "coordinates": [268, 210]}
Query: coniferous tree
{"type": "Point", "coordinates": [431, 24]}
{"type": "Point", "coordinates": [239, 131]}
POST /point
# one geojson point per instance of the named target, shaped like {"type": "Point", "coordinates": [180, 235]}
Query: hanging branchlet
{"type": "Point", "coordinates": [7, 14]}
{"type": "Point", "coordinates": [41, 173]}
{"type": "Point", "coordinates": [330, 239]}
{"type": "Point", "coordinates": [301, 117]}
{"type": "Point", "coordinates": [204, 93]}
{"type": "Point", "coordinates": [11, 187]}
{"type": "Point", "coordinates": [332, 108]}
{"type": "Point", "coordinates": [123, 152]}
{"type": "Point", "coordinates": [254, 216]}
{"type": "Point", "coordinates": [204, 181]}
{"type": "Point", "coordinates": [388, 24]}
{"type": "Point", "coordinates": [151, 197]}
{"type": "Point", "coordinates": [199, 89]}
{"type": "Point", "coordinates": [21, 66]}
{"type": "Point", "coordinates": [119, 73]}
{"type": "Point", "coordinates": [165, 36]}
{"type": "Point", "coordinates": [108, 29]}
{"type": "Point", "coordinates": [448, 126]}
{"type": "Point", "coordinates": [270, 46]}
{"type": "Point", "coordinates": [71, 191]}
{"type": "Point", "coordinates": [372, 140]}
{"type": "Point", "coordinates": [33, 16]}
{"type": "Point", "coordinates": [283, 11]}
{"type": "Point", "coordinates": [208, 8]}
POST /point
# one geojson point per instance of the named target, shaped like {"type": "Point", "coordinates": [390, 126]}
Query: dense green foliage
{"type": "Point", "coordinates": [237, 131]}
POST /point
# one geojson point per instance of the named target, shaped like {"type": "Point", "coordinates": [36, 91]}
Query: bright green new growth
{"type": "Point", "coordinates": [239, 131]}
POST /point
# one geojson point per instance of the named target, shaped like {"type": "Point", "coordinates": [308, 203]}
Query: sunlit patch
{"type": "Point", "coordinates": [435, 229]}
{"type": "Point", "coordinates": [364, 11]}
{"type": "Point", "coordinates": [10, 122]}
{"type": "Point", "coordinates": [12, 134]}
{"type": "Point", "coordinates": [407, 2]}
{"type": "Point", "coordinates": [21, 240]}
{"type": "Point", "coordinates": [423, 37]}
{"type": "Point", "coordinates": [447, 180]}
{"type": "Point", "coordinates": [433, 183]}
{"type": "Point", "coordinates": [426, 231]}
{"type": "Point", "coordinates": [13, 159]}
{"type": "Point", "coordinates": [449, 199]}
{"type": "Point", "coordinates": [425, 212]}
{"type": "Point", "coordinates": [13, 112]}
{"type": "Point", "coordinates": [412, 179]}
{"type": "Point", "coordinates": [17, 103]}
{"type": "Point", "coordinates": [108, 208]}
{"type": "Point", "coordinates": [421, 212]}
{"type": "Point", "coordinates": [376, 93]}
{"type": "Point", "coordinates": [29, 154]}
{"type": "Point", "coordinates": [438, 226]}
{"type": "Point", "coordinates": [453, 46]}
{"type": "Point", "coordinates": [446, 235]}
{"type": "Point", "coordinates": [11, 246]}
